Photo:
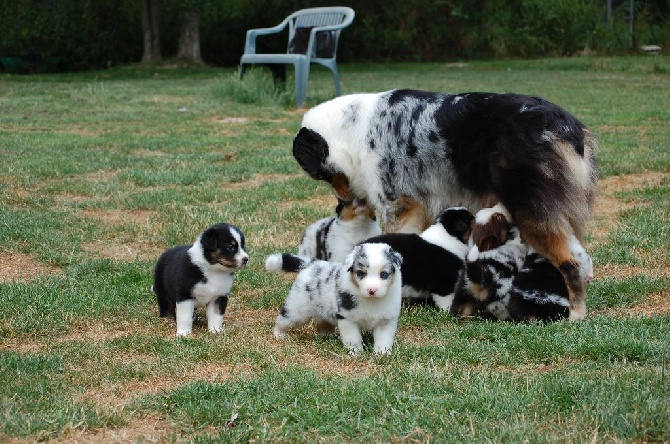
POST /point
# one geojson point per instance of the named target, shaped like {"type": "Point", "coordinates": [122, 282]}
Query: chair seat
{"type": "Point", "coordinates": [330, 20]}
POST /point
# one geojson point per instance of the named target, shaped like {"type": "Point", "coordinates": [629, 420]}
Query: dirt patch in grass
{"type": "Point", "coordinates": [119, 217]}
{"type": "Point", "coordinates": [325, 202]}
{"type": "Point", "coordinates": [258, 180]}
{"type": "Point", "coordinates": [147, 429]}
{"type": "Point", "coordinates": [140, 250]}
{"type": "Point", "coordinates": [654, 304]}
{"type": "Point", "coordinates": [244, 120]}
{"type": "Point", "coordinates": [114, 248]}
{"type": "Point", "coordinates": [607, 207]}
{"type": "Point", "coordinates": [149, 153]}
{"type": "Point", "coordinates": [23, 267]}
{"type": "Point", "coordinates": [607, 211]}
{"type": "Point", "coordinates": [657, 304]}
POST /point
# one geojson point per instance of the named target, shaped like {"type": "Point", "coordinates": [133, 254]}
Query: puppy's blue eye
{"type": "Point", "coordinates": [360, 274]}
{"type": "Point", "coordinates": [384, 275]}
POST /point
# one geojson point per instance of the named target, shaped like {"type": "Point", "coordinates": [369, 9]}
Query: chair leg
{"type": "Point", "coordinates": [301, 76]}
{"type": "Point", "coordinates": [241, 71]}
{"type": "Point", "coordinates": [336, 79]}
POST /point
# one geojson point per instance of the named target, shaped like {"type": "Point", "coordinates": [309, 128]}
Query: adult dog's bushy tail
{"type": "Point", "coordinates": [289, 263]}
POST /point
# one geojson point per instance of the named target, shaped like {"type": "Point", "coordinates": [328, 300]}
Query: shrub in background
{"type": "Point", "coordinates": [83, 34]}
{"type": "Point", "coordinates": [80, 34]}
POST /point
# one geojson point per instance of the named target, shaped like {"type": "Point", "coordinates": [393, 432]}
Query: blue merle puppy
{"type": "Point", "coordinates": [332, 238]}
{"type": "Point", "coordinates": [362, 294]}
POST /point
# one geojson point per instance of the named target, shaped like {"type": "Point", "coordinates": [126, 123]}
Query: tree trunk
{"type": "Point", "coordinates": [151, 31]}
{"type": "Point", "coordinates": [189, 39]}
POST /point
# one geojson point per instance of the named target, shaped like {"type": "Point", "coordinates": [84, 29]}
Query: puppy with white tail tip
{"type": "Point", "coordinates": [332, 238]}
{"type": "Point", "coordinates": [199, 275]}
{"type": "Point", "coordinates": [363, 294]}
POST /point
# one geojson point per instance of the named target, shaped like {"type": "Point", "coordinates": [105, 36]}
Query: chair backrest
{"type": "Point", "coordinates": [339, 17]}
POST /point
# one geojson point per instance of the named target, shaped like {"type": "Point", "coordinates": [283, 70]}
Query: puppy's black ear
{"type": "Point", "coordinates": [311, 151]}
{"type": "Point", "coordinates": [208, 240]}
{"type": "Point", "coordinates": [460, 230]}
{"type": "Point", "coordinates": [457, 222]}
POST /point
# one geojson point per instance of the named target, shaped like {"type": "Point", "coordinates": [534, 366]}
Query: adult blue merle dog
{"type": "Point", "coordinates": [413, 153]}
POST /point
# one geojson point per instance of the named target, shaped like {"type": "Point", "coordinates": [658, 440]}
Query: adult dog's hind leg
{"type": "Point", "coordinates": [554, 246]}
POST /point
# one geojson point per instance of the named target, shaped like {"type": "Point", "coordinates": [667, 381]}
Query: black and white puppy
{"type": "Point", "coordinates": [199, 275]}
{"type": "Point", "coordinates": [362, 294]}
{"type": "Point", "coordinates": [538, 292]}
{"type": "Point", "coordinates": [413, 153]}
{"type": "Point", "coordinates": [494, 259]}
{"type": "Point", "coordinates": [332, 238]}
{"type": "Point", "coordinates": [433, 260]}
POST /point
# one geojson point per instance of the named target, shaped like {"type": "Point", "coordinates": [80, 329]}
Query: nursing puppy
{"type": "Point", "coordinates": [199, 275]}
{"type": "Point", "coordinates": [491, 228]}
{"type": "Point", "coordinates": [363, 294]}
{"type": "Point", "coordinates": [433, 260]}
{"type": "Point", "coordinates": [538, 292]}
{"type": "Point", "coordinates": [412, 153]}
{"type": "Point", "coordinates": [495, 256]}
{"type": "Point", "coordinates": [488, 276]}
{"type": "Point", "coordinates": [332, 238]}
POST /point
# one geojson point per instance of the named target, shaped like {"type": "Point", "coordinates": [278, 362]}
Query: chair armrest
{"type": "Point", "coordinates": [250, 42]}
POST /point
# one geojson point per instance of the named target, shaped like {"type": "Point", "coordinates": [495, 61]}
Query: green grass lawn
{"type": "Point", "coordinates": [102, 171]}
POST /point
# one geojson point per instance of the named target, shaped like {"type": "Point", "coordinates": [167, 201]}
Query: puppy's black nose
{"type": "Point", "coordinates": [245, 260]}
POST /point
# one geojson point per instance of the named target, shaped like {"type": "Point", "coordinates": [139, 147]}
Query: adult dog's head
{"type": "Point", "coordinates": [311, 151]}
{"type": "Point", "coordinates": [330, 138]}
{"type": "Point", "coordinates": [374, 268]}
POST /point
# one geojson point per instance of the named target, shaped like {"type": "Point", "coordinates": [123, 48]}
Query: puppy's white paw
{"type": "Point", "coordinates": [443, 302]}
{"type": "Point", "coordinates": [355, 351]}
{"type": "Point", "coordinates": [183, 333]}
{"type": "Point", "coordinates": [216, 329]}
{"type": "Point", "coordinates": [382, 351]}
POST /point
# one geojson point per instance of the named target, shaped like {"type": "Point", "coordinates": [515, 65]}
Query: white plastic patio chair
{"type": "Point", "coordinates": [324, 26]}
